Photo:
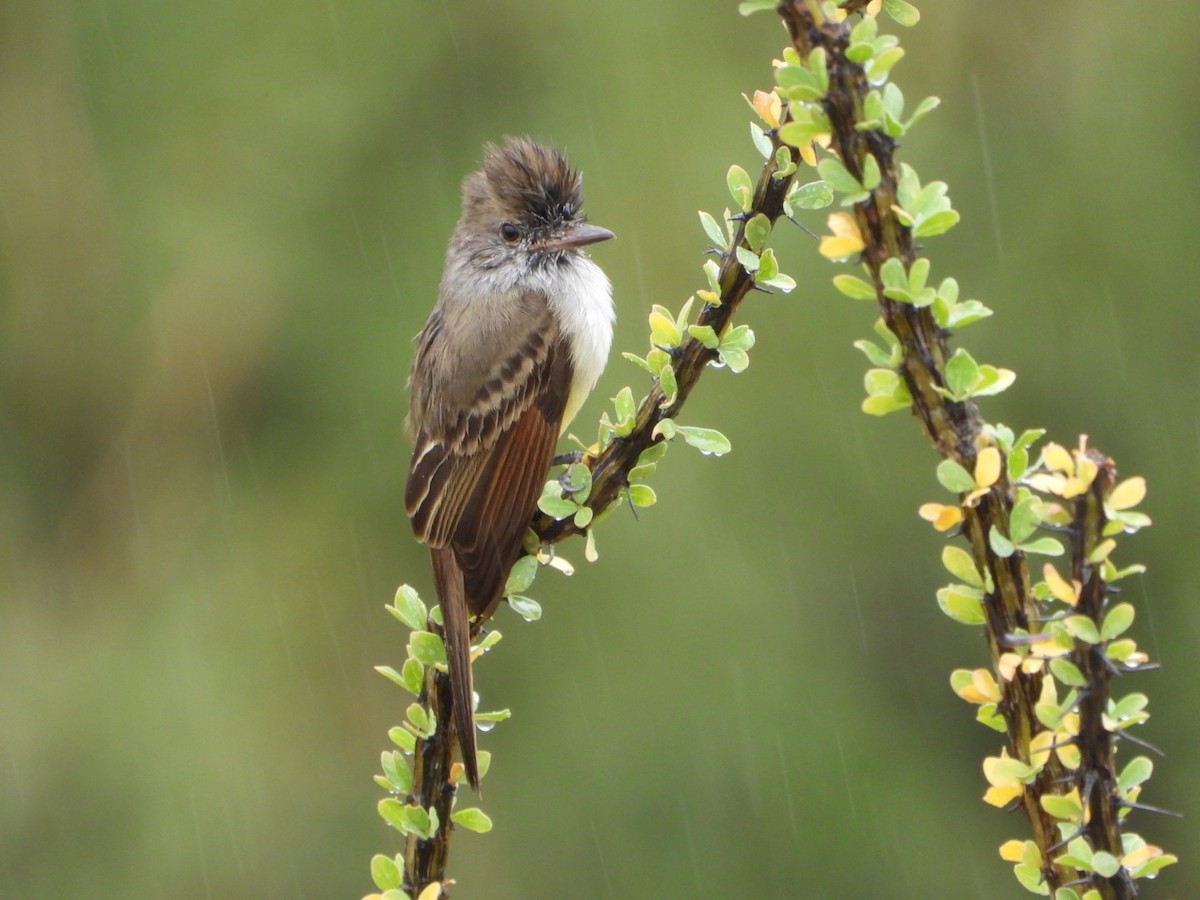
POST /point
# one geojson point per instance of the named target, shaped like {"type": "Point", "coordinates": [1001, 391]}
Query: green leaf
{"type": "Point", "coordinates": [781, 282]}
{"type": "Point", "coordinates": [736, 359]}
{"type": "Point", "coordinates": [740, 337]}
{"type": "Point", "coordinates": [408, 608]}
{"type": "Point", "coordinates": [397, 770]}
{"type": "Point", "coordinates": [714, 231]}
{"type": "Point", "coordinates": [579, 479]}
{"type": "Point", "coordinates": [894, 278]}
{"type": "Point", "coordinates": [924, 108]}
{"type": "Point", "coordinates": [761, 142]}
{"type": "Point", "coordinates": [752, 6]}
{"type": "Point", "coordinates": [797, 82]}
{"type": "Point", "coordinates": [1082, 628]}
{"type": "Point", "coordinates": [958, 562]}
{"type": "Point", "coordinates": [385, 873]}
{"type": "Point", "coordinates": [1136, 771]}
{"type": "Point", "coordinates": [1000, 545]}
{"type": "Point", "coordinates": [1117, 621]}
{"type": "Point", "coordinates": [871, 173]}
{"type": "Point", "coordinates": [626, 409]}
{"type": "Point", "coordinates": [705, 335]}
{"type": "Point", "coordinates": [472, 819]}
{"type": "Point", "coordinates": [1060, 807]}
{"type": "Point", "coordinates": [583, 518]}
{"type": "Point", "coordinates": [876, 354]}
{"type": "Point", "coordinates": [962, 372]}
{"type": "Point", "coordinates": [938, 223]}
{"type": "Point", "coordinates": [669, 385]}
{"type": "Point", "coordinates": [412, 676]}
{"type": "Point", "coordinates": [391, 675]}
{"type": "Point", "coordinates": [642, 495]}
{"type": "Point", "coordinates": [491, 639]}
{"type": "Point", "coordinates": [783, 163]}
{"type": "Point", "coordinates": [521, 576]}
{"type": "Point", "coordinates": [1031, 878]}
{"type": "Point", "coordinates": [528, 609]}
{"type": "Point", "coordinates": [853, 287]}
{"type": "Point", "coordinates": [954, 478]}
{"type": "Point", "coordinates": [1024, 519]}
{"type": "Point", "coordinates": [992, 381]}
{"type": "Point", "coordinates": [837, 176]}
{"type": "Point", "coordinates": [757, 230]}
{"type": "Point", "coordinates": [1046, 546]}
{"type": "Point", "coordinates": [1067, 672]}
{"type": "Point", "coordinates": [748, 259]}
{"type": "Point", "coordinates": [663, 330]}
{"type": "Point", "coordinates": [410, 819]}
{"type": "Point", "coordinates": [740, 186]}
{"type": "Point", "coordinates": [877, 69]}
{"type": "Point", "coordinates": [1105, 864]}
{"type": "Point", "coordinates": [813, 195]}
{"type": "Point", "coordinates": [881, 405]}
{"type": "Point", "coordinates": [962, 604]}
{"type": "Point", "coordinates": [557, 507]}
{"type": "Point", "coordinates": [706, 440]}
{"type": "Point", "coordinates": [653, 453]}
{"type": "Point", "coordinates": [427, 648]}
{"type": "Point", "coordinates": [902, 12]}
{"type": "Point", "coordinates": [402, 738]}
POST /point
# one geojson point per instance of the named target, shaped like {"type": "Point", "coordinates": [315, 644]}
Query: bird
{"type": "Point", "coordinates": [517, 339]}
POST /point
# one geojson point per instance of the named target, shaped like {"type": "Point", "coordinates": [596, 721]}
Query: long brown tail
{"type": "Point", "coordinates": [448, 577]}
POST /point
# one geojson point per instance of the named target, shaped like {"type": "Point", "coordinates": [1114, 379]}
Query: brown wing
{"type": "Point", "coordinates": [483, 449]}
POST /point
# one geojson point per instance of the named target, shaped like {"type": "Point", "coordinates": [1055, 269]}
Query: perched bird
{"type": "Point", "coordinates": [519, 335]}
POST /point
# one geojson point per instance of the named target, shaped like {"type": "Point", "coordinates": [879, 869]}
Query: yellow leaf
{"type": "Point", "coordinates": [986, 686]}
{"type": "Point", "coordinates": [1001, 771]}
{"type": "Point", "coordinates": [1086, 471]}
{"type": "Point", "coordinates": [982, 689]}
{"type": "Point", "coordinates": [1012, 851]}
{"type": "Point", "coordinates": [432, 891]}
{"type": "Point", "coordinates": [1001, 796]}
{"type": "Point", "coordinates": [1103, 549]}
{"type": "Point", "coordinates": [1058, 458]}
{"type": "Point", "coordinates": [1073, 487]}
{"type": "Point", "coordinates": [1068, 753]}
{"type": "Point", "coordinates": [846, 239]}
{"type": "Point", "coordinates": [1067, 593]}
{"type": "Point", "coordinates": [1128, 494]}
{"type": "Point", "coordinates": [1039, 747]}
{"type": "Point", "coordinates": [971, 500]}
{"type": "Point", "coordinates": [1008, 665]}
{"type": "Point", "coordinates": [1048, 649]}
{"type": "Point", "coordinates": [1047, 483]}
{"type": "Point", "coordinates": [987, 467]}
{"type": "Point", "coordinates": [943, 517]}
{"type": "Point", "coordinates": [768, 105]}
{"type": "Point", "coordinates": [1141, 855]}
{"type": "Point", "coordinates": [809, 155]}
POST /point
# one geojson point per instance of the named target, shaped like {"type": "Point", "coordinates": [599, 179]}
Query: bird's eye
{"type": "Point", "coordinates": [509, 231]}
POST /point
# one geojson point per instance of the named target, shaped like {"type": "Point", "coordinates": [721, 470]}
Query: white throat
{"type": "Point", "coordinates": [580, 296]}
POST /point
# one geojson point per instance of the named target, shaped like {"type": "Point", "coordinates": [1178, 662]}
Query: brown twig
{"type": "Point", "coordinates": [1096, 777]}
{"type": "Point", "coordinates": [425, 860]}
{"type": "Point", "coordinates": [954, 428]}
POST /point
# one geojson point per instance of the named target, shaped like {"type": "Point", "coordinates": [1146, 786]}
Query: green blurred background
{"type": "Point", "coordinates": [222, 224]}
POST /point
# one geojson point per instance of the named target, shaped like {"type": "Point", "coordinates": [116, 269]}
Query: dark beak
{"type": "Point", "coordinates": [576, 236]}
